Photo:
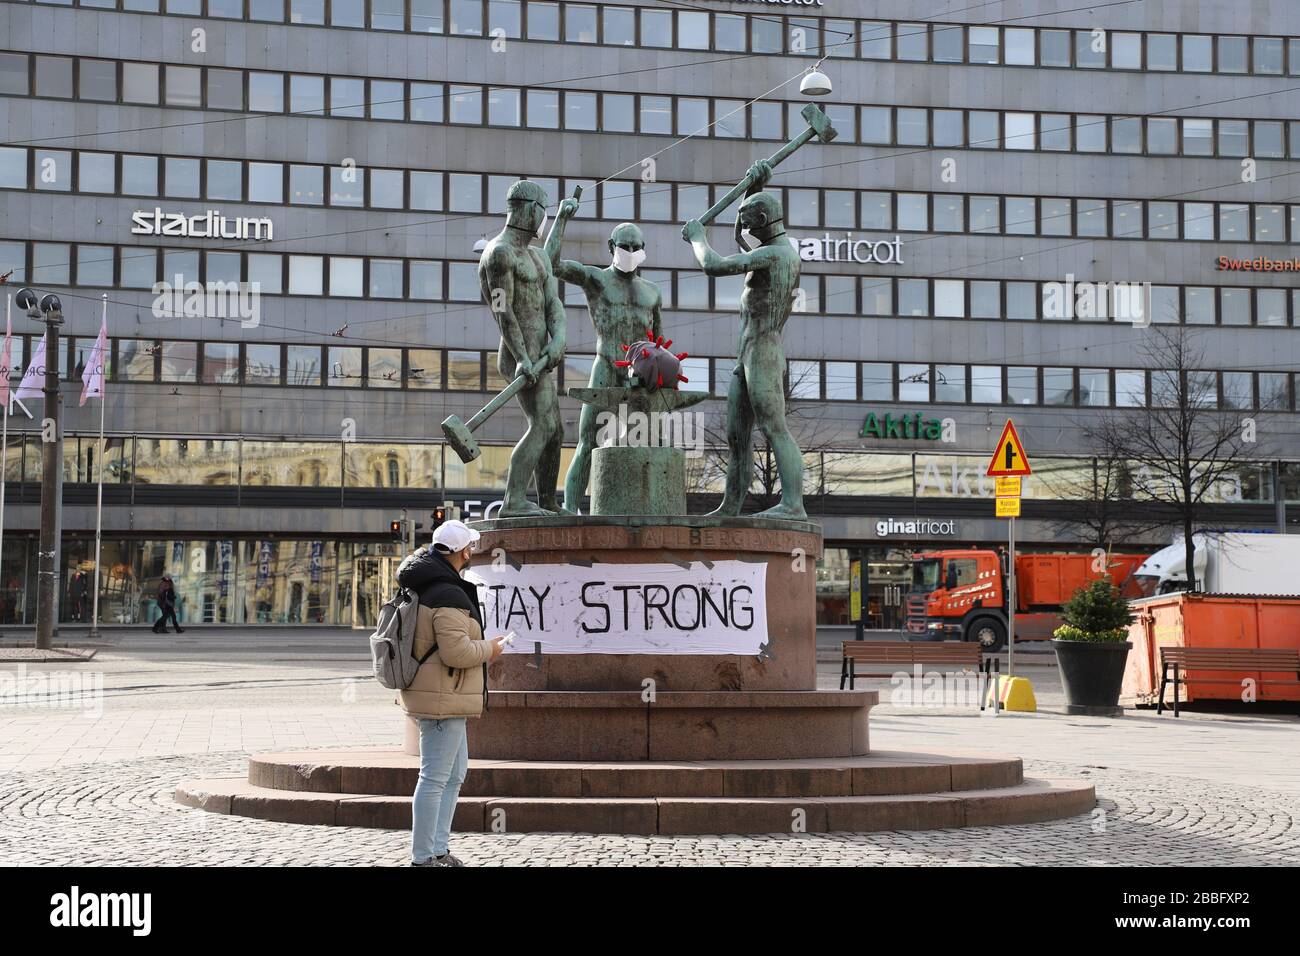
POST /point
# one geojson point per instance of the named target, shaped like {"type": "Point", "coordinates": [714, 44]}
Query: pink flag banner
{"type": "Point", "coordinates": [33, 383]}
{"type": "Point", "coordinates": [92, 376]}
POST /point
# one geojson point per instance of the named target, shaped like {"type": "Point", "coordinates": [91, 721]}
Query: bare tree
{"type": "Point", "coordinates": [1181, 448]}
{"type": "Point", "coordinates": [1101, 495]}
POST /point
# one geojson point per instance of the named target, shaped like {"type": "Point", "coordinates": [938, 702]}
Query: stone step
{"type": "Point", "coordinates": [1032, 801]}
{"type": "Point", "coordinates": [376, 772]}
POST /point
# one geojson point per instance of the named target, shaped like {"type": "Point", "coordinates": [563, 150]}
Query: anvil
{"type": "Point", "coordinates": [637, 398]}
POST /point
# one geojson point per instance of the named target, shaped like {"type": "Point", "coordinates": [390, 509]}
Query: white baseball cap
{"type": "Point", "coordinates": [455, 535]}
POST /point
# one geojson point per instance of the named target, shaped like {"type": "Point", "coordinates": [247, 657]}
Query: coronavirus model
{"type": "Point", "coordinates": [652, 363]}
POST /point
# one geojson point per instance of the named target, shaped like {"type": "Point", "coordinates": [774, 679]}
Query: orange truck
{"type": "Point", "coordinates": [960, 594]}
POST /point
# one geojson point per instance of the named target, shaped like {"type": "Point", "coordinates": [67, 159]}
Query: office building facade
{"type": "Point", "coordinates": [1010, 213]}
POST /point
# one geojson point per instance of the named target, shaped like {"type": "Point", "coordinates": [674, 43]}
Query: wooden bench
{"type": "Point", "coordinates": [903, 655]}
{"type": "Point", "coordinates": [1183, 659]}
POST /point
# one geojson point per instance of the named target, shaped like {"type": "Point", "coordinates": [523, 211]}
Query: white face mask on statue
{"type": "Point", "coordinates": [749, 239]}
{"type": "Point", "coordinates": [541, 228]}
{"type": "Point", "coordinates": [626, 261]}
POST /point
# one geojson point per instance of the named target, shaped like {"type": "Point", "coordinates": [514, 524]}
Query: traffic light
{"type": "Point", "coordinates": [396, 530]}
{"type": "Point", "coordinates": [439, 516]}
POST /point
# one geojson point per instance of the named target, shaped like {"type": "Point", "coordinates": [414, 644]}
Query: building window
{"type": "Point", "coordinates": [306, 185]}
{"type": "Point", "coordinates": [384, 368]}
{"type": "Point", "coordinates": [426, 16]}
{"type": "Point", "coordinates": [913, 383]}
{"type": "Point", "coordinates": [302, 364]}
{"type": "Point", "coordinates": [425, 368]}
{"type": "Point", "coordinates": [97, 80]}
{"type": "Point", "coordinates": [1022, 385]}
{"type": "Point", "coordinates": [265, 92]}
{"type": "Point", "coordinates": [262, 364]}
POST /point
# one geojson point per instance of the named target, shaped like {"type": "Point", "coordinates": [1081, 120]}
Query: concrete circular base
{"type": "Point", "coordinates": [744, 725]}
{"type": "Point", "coordinates": [883, 791]}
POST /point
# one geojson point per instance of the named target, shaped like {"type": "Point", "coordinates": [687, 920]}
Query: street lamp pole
{"type": "Point", "coordinates": [50, 310]}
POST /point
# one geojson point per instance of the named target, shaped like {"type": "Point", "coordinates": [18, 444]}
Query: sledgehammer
{"type": "Point", "coordinates": [457, 432]}
{"type": "Point", "coordinates": [819, 127]}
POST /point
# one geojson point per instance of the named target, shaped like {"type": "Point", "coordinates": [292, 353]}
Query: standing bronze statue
{"type": "Point", "coordinates": [757, 393]}
{"type": "Point", "coordinates": [623, 308]}
{"type": "Point", "coordinates": [518, 286]}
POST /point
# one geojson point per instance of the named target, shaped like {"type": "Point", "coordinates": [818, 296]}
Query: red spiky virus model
{"type": "Point", "coordinates": [652, 363]}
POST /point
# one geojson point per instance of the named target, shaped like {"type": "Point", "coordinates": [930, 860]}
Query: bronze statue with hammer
{"type": "Point", "coordinates": [771, 269]}
{"type": "Point", "coordinates": [517, 283]}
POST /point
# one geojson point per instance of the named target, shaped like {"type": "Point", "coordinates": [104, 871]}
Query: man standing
{"type": "Point", "coordinates": [623, 308]}
{"type": "Point", "coordinates": [757, 393]}
{"type": "Point", "coordinates": [518, 286]}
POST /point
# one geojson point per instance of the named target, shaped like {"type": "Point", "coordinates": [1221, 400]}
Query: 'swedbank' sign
{"type": "Point", "coordinates": [718, 608]}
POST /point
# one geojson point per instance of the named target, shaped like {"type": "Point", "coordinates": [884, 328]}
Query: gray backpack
{"type": "Point", "coordinates": [392, 645]}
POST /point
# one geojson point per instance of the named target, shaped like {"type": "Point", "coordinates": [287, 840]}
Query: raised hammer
{"type": "Point", "coordinates": [819, 127]}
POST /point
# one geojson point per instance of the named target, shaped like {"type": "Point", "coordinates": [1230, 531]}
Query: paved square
{"type": "Point", "coordinates": [95, 786]}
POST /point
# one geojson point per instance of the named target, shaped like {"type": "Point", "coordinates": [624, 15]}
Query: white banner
{"type": "Point", "coordinates": [717, 608]}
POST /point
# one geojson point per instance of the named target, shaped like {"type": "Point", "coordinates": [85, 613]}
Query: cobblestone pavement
{"type": "Point", "coordinates": [122, 813]}
{"type": "Point", "coordinates": [94, 784]}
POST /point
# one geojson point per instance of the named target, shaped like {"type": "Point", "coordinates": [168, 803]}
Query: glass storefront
{"type": "Point", "coordinates": [885, 573]}
{"type": "Point", "coordinates": [221, 581]}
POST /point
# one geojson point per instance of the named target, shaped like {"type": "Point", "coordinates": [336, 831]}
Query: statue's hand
{"type": "Point", "coordinates": [531, 370]}
{"type": "Point", "coordinates": [692, 230]}
{"type": "Point", "coordinates": [568, 209]}
{"type": "Point", "coordinates": [760, 173]}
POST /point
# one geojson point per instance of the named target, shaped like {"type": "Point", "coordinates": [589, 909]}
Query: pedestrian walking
{"type": "Point", "coordinates": [167, 606]}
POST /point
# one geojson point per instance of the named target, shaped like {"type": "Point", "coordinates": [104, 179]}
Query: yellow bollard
{"type": "Point", "coordinates": [1014, 693]}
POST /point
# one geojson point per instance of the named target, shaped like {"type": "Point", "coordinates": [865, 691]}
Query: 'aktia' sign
{"type": "Point", "coordinates": [901, 427]}
{"type": "Point", "coordinates": [208, 225]}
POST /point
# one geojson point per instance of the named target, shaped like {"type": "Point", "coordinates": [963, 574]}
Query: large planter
{"type": "Point", "coordinates": [1092, 675]}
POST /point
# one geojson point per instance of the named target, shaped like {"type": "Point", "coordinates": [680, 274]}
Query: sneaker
{"type": "Point", "coordinates": [432, 861]}
{"type": "Point", "coordinates": [448, 860]}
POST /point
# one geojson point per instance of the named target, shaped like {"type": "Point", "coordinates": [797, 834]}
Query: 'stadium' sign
{"type": "Point", "coordinates": [208, 225]}
{"type": "Point", "coordinates": [901, 427]}
{"type": "Point", "coordinates": [719, 608]}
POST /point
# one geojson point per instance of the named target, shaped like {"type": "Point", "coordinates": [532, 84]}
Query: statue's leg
{"type": "Point", "coordinates": [552, 443]}
{"type": "Point", "coordinates": [575, 482]}
{"type": "Point", "coordinates": [767, 398]}
{"type": "Point", "coordinates": [740, 427]}
{"type": "Point", "coordinates": [526, 457]}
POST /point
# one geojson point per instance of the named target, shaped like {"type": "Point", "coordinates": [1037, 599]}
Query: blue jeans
{"type": "Point", "coordinates": [444, 759]}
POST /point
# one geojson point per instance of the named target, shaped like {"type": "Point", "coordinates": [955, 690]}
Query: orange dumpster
{"type": "Point", "coordinates": [1210, 620]}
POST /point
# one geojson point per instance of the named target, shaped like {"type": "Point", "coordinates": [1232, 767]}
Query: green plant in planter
{"type": "Point", "coordinates": [1096, 614]}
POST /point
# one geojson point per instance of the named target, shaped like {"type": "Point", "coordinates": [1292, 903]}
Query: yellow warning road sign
{"type": "Point", "coordinates": [1007, 487]}
{"type": "Point", "coordinates": [1008, 508]}
{"type": "Point", "coordinates": [1009, 458]}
